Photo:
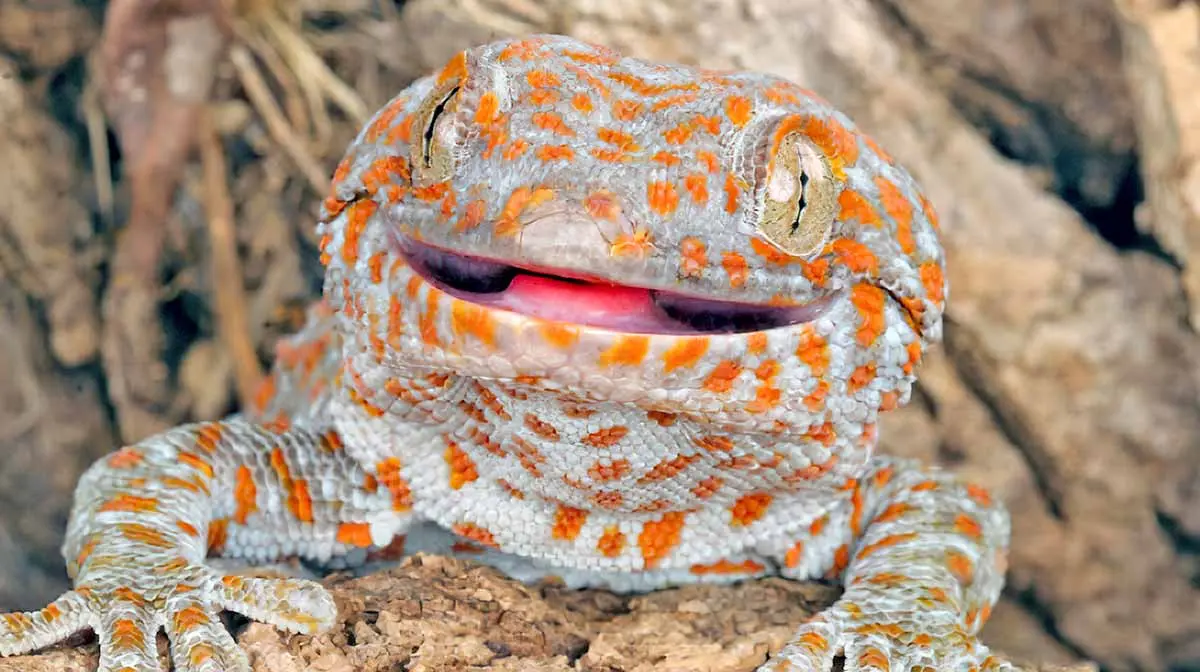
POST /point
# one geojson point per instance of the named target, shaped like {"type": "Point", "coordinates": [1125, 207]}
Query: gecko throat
{"type": "Point", "coordinates": [562, 295]}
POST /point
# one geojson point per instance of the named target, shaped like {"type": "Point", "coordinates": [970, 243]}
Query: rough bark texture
{"type": "Point", "coordinates": [1068, 381]}
{"type": "Point", "coordinates": [437, 615]}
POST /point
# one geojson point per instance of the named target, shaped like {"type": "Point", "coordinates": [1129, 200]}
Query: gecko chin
{"type": "Point", "coordinates": [563, 295]}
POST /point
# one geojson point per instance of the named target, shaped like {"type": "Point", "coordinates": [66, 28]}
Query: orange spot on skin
{"type": "Point", "coordinates": [967, 526]}
{"type": "Point", "coordinates": [685, 352]}
{"type": "Point", "coordinates": [749, 508]}
{"type": "Point", "coordinates": [540, 428]}
{"type": "Point", "coordinates": [793, 556]}
{"type": "Point", "coordinates": [462, 468]}
{"type": "Point", "coordinates": [455, 68]}
{"type": "Point", "coordinates": [568, 521]}
{"type": "Point", "coordinates": [475, 533]}
{"type": "Point", "coordinates": [582, 103]}
{"type": "Point", "coordinates": [666, 158]}
{"type": "Point", "coordinates": [678, 134]}
{"type": "Point", "coordinates": [299, 502]}
{"type": "Point", "coordinates": [357, 215]}
{"type": "Point", "coordinates": [189, 617]}
{"type": "Point", "coordinates": [841, 559]}
{"type": "Point", "coordinates": [668, 469]}
{"type": "Point", "coordinates": [468, 319]}
{"type": "Point", "coordinates": [354, 534]}
{"type": "Point", "coordinates": [856, 257]}
{"type": "Point", "coordinates": [196, 462]}
{"type": "Point", "coordinates": [693, 259]}
{"type": "Point", "coordinates": [960, 566]}
{"type": "Point", "coordinates": [208, 436]}
{"type": "Point", "coordinates": [861, 377]}
{"type": "Point", "coordinates": [722, 377]}
{"type": "Point", "coordinates": [725, 567]}
{"type": "Point", "coordinates": [815, 641]}
{"type": "Point", "coordinates": [125, 636]}
{"type": "Point", "coordinates": [473, 215]}
{"type": "Point", "coordinates": [143, 534]}
{"type": "Point", "coordinates": [885, 542]}
{"type": "Point", "coordinates": [542, 79]}
{"type": "Point", "coordinates": [697, 186]}
{"type": "Point", "coordinates": [978, 494]}
{"type": "Point", "coordinates": [555, 153]}
{"type": "Point", "coordinates": [637, 244]}
{"type": "Point", "coordinates": [708, 487]}
{"type": "Point", "coordinates": [714, 443]}
{"type": "Point", "coordinates": [735, 265]}
{"type": "Point", "coordinates": [900, 209]}
{"type": "Point", "coordinates": [515, 149]}
{"type": "Point", "coordinates": [869, 300]}
{"type": "Point", "coordinates": [488, 108]}
{"type": "Point", "coordinates": [553, 122]}
{"type": "Point", "coordinates": [608, 471]}
{"type": "Point", "coordinates": [217, 534]}
{"type": "Point", "coordinates": [892, 512]}
{"type": "Point", "coordinates": [51, 613]}
{"type": "Point", "coordinates": [620, 139]}
{"type": "Point", "coordinates": [731, 193]}
{"type": "Point", "coordinates": [521, 199]}
{"type": "Point", "coordinates": [738, 109]}
{"type": "Point", "coordinates": [611, 542]}
{"type": "Point", "coordinates": [932, 280]}
{"type": "Point", "coordinates": [603, 204]}
{"type": "Point", "coordinates": [662, 197]}
{"type": "Point", "coordinates": [558, 334]}
{"type": "Point", "coordinates": [626, 110]}
{"type": "Point", "coordinates": [245, 494]}
{"type": "Point", "coordinates": [659, 537]}
{"type": "Point", "coordinates": [388, 473]}
{"type": "Point", "coordinates": [626, 351]}
{"type": "Point", "coordinates": [605, 438]}
{"type": "Point", "coordinates": [855, 206]}
{"type": "Point", "coordinates": [131, 503]}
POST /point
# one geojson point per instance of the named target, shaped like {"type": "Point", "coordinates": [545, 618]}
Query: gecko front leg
{"type": "Point", "coordinates": [922, 558]}
{"type": "Point", "coordinates": [145, 518]}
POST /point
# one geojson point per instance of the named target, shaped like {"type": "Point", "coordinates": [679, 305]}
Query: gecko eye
{"type": "Point", "coordinates": [800, 199]}
{"type": "Point", "coordinates": [430, 151]}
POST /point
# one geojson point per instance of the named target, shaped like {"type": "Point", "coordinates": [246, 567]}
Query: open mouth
{"type": "Point", "coordinates": [561, 295]}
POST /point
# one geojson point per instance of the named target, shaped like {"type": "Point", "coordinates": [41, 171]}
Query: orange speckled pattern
{"type": "Point", "coordinates": [623, 323]}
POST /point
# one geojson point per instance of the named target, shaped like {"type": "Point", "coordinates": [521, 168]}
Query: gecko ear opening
{"type": "Point", "coordinates": [800, 197]}
{"type": "Point", "coordinates": [431, 156]}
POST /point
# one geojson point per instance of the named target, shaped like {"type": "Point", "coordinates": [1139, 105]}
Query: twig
{"type": "Point", "coordinates": [229, 299]}
{"type": "Point", "coordinates": [277, 125]}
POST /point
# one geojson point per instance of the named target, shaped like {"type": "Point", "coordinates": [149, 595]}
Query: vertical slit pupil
{"type": "Point", "coordinates": [803, 200]}
{"type": "Point", "coordinates": [426, 157]}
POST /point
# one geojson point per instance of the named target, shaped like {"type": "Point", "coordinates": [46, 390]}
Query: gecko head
{"type": "Point", "coordinates": [720, 244]}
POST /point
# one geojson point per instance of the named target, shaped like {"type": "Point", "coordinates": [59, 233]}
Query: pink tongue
{"type": "Point", "coordinates": [595, 304]}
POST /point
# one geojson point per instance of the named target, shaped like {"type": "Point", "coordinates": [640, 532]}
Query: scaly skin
{"type": "Point", "coordinates": [559, 444]}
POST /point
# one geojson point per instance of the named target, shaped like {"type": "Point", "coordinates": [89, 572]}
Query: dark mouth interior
{"type": "Point", "coordinates": [560, 295]}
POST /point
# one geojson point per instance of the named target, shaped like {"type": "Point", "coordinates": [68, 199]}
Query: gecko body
{"type": "Point", "coordinates": [624, 323]}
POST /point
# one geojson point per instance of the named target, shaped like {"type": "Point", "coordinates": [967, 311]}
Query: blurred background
{"type": "Point", "coordinates": [162, 162]}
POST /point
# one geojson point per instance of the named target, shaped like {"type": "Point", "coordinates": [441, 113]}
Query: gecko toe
{"type": "Point", "coordinates": [200, 642]}
{"type": "Point", "coordinates": [290, 604]}
{"type": "Point", "coordinates": [28, 631]}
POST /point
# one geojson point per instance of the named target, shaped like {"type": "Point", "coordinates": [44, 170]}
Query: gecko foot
{"type": "Point", "coordinates": [894, 639]}
{"type": "Point", "coordinates": [127, 610]}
